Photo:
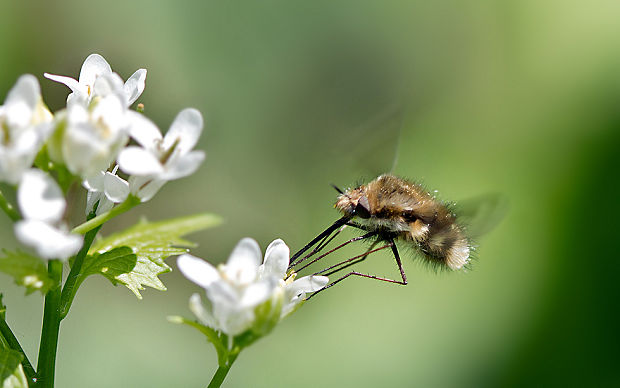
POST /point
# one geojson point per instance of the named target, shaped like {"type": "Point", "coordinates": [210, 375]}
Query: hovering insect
{"type": "Point", "coordinates": [391, 209]}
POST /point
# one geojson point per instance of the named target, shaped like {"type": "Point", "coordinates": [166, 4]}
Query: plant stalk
{"type": "Point", "coordinates": [51, 325]}
{"type": "Point", "coordinates": [91, 224]}
{"type": "Point", "coordinates": [222, 371]}
{"type": "Point", "coordinates": [72, 283]}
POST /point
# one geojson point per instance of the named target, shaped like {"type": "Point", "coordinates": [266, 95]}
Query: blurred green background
{"type": "Point", "coordinates": [517, 97]}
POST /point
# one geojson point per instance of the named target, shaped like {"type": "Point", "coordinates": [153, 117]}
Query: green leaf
{"type": "Point", "coordinates": [2, 308]}
{"type": "Point", "coordinates": [110, 264]}
{"type": "Point", "coordinates": [11, 371]}
{"type": "Point", "coordinates": [152, 243]}
{"type": "Point", "coordinates": [27, 270]}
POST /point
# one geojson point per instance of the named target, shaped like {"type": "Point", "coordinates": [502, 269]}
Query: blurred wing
{"type": "Point", "coordinates": [367, 149]}
{"type": "Point", "coordinates": [482, 213]}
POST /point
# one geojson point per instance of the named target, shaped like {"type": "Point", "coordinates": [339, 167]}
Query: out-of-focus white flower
{"type": "Point", "coordinates": [42, 205]}
{"type": "Point", "coordinates": [24, 125]}
{"type": "Point", "coordinates": [88, 86]}
{"type": "Point", "coordinates": [161, 159]}
{"type": "Point", "coordinates": [104, 190]}
{"type": "Point", "coordinates": [243, 293]}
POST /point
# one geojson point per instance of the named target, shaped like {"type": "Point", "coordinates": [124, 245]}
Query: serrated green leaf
{"type": "Point", "coordinates": [152, 243]}
{"type": "Point", "coordinates": [27, 270]}
{"type": "Point", "coordinates": [110, 264]}
{"type": "Point", "coordinates": [11, 372]}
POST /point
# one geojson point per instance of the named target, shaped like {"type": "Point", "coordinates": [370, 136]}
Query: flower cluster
{"type": "Point", "coordinates": [88, 142]}
{"type": "Point", "coordinates": [245, 294]}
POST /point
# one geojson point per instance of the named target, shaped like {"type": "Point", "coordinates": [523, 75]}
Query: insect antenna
{"type": "Point", "coordinates": [337, 189]}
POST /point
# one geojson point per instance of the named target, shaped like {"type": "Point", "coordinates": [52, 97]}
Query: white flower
{"type": "Point", "coordinates": [94, 67]}
{"type": "Point", "coordinates": [277, 257]}
{"type": "Point", "coordinates": [24, 125]}
{"type": "Point", "coordinates": [238, 289]}
{"type": "Point", "coordinates": [161, 159]}
{"type": "Point", "coordinates": [104, 190]}
{"type": "Point", "coordinates": [92, 136]}
{"type": "Point", "coordinates": [42, 205]}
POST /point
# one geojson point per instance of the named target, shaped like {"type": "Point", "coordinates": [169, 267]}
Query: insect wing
{"type": "Point", "coordinates": [481, 214]}
{"type": "Point", "coordinates": [365, 150]}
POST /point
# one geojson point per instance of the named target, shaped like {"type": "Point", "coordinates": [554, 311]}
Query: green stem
{"type": "Point", "coordinates": [51, 326]}
{"type": "Point", "coordinates": [222, 371]}
{"type": "Point", "coordinates": [7, 334]}
{"type": "Point", "coordinates": [9, 209]}
{"type": "Point", "coordinates": [73, 280]}
{"type": "Point", "coordinates": [130, 202]}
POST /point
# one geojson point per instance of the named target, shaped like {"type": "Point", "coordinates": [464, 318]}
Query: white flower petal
{"type": "Point", "coordinates": [21, 101]}
{"type": "Point", "coordinates": [94, 66]}
{"type": "Point", "coordinates": [257, 293]}
{"type": "Point", "coordinates": [138, 161]}
{"type": "Point", "coordinates": [197, 270]}
{"type": "Point", "coordinates": [183, 165]}
{"type": "Point", "coordinates": [186, 129]}
{"type": "Point", "coordinates": [17, 158]}
{"type": "Point", "coordinates": [116, 188]}
{"type": "Point", "coordinates": [109, 116]}
{"type": "Point", "coordinates": [110, 84]}
{"type": "Point", "coordinates": [97, 198]}
{"type": "Point", "coordinates": [234, 322]}
{"type": "Point", "coordinates": [224, 296]}
{"type": "Point", "coordinates": [94, 182]}
{"type": "Point", "coordinates": [104, 205]}
{"type": "Point", "coordinates": [144, 131]}
{"type": "Point", "coordinates": [71, 83]}
{"type": "Point", "coordinates": [242, 265]}
{"type": "Point", "coordinates": [48, 241]}
{"type": "Point", "coordinates": [135, 86]}
{"type": "Point", "coordinates": [39, 197]}
{"type": "Point", "coordinates": [291, 306]}
{"type": "Point", "coordinates": [204, 315]}
{"type": "Point", "coordinates": [76, 112]}
{"type": "Point", "coordinates": [145, 187]}
{"type": "Point", "coordinates": [307, 284]}
{"type": "Point", "coordinates": [277, 257]}
{"type": "Point", "coordinates": [82, 153]}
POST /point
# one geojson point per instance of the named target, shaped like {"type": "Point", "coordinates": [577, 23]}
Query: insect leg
{"type": "Point", "coordinates": [322, 244]}
{"type": "Point", "coordinates": [318, 238]}
{"type": "Point", "coordinates": [367, 235]}
{"type": "Point", "coordinates": [398, 263]}
{"type": "Point", "coordinates": [349, 262]}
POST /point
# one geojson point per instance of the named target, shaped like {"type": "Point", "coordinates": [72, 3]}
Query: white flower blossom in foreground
{"type": "Point", "coordinates": [92, 136]}
{"type": "Point", "coordinates": [24, 125]}
{"type": "Point", "coordinates": [104, 190]}
{"type": "Point", "coordinates": [162, 158]}
{"type": "Point", "coordinates": [42, 206]}
{"type": "Point", "coordinates": [94, 67]}
{"type": "Point", "coordinates": [239, 290]}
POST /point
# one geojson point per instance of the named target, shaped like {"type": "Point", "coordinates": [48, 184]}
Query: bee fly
{"type": "Point", "coordinates": [392, 209]}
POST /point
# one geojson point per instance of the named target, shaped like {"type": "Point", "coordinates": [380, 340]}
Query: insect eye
{"type": "Point", "coordinates": [363, 208]}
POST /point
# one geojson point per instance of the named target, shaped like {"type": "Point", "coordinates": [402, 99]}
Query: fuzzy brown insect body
{"type": "Point", "coordinates": [399, 209]}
